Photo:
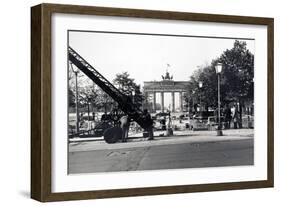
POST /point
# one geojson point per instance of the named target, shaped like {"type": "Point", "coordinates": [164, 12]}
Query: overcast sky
{"type": "Point", "coordinates": [145, 57]}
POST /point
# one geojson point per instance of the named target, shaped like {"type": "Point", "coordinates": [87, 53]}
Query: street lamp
{"type": "Point", "coordinates": [218, 71]}
{"type": "Point", "coordinates": [75, 71]}
{"type": "Point", "coordinates": [193, 109]}
{"type": "Point", "coordinates": [200, 86]}
{"type": "Point", "coordinates": [133, 96]}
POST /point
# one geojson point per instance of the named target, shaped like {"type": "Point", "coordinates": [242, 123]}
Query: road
{"type": "Point", "coordinates": [231, 152]}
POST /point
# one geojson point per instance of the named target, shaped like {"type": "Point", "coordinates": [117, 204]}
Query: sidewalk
{"type": "Point", "coordinates": [179, 137]}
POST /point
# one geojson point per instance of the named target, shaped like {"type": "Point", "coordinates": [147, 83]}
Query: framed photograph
{"type": "Point", "coordinates": [130, 102]}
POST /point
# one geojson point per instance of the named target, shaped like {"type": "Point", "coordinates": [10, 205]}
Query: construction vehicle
{"type": "Point", "coordinates": [125, 103]}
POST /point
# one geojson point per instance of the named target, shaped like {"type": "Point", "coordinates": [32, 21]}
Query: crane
{"type": "Point", "coordinates": [125, 102]}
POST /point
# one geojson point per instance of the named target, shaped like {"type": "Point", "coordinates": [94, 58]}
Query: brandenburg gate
{"type": "Point", "coordinates": [167, 85]}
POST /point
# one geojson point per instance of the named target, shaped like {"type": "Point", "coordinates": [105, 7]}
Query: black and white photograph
{"type": "Point", "coordinates": [141, 101]}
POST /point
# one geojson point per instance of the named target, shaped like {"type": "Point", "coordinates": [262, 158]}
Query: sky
{"type": "Point", "coordinates": [146, 57]}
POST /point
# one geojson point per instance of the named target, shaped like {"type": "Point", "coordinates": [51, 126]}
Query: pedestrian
{"type": "Point", "coordinates": [148, 123]}
{"type": "Point", "coordinates": [227, 117]}
{"type": "Point", "coordinates": [163, 123]}
{"type": "Point", "coordinates": [125, 125]}
{"type": "Point", "coordinates": [235, 118]}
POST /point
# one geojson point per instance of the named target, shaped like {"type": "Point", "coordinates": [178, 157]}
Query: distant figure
{"type": "Point", "coordinates": [236, 118]}
{"type": "Point", "coordinates": [125, 125]}
{"type": "Point", "coordinates": [227, 117]}
{"type": "Point", "coordinates": [149, 124]}
{"type": "Point", "coordinates": [163, 123]}
{"type": "Point", "coordinates": [169, 122]}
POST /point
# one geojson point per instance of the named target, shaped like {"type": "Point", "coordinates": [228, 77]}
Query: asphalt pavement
{"type": "Point", "coordinates": [186, 150]}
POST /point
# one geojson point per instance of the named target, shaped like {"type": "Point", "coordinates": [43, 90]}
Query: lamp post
{"type": "Point", "coordinates": [193, 109]}
{"type": "Point", "coordinates": [200, 86]}
{"type": "Point", "coordinates": [133, 96]}
{"type": "Point", "coordinates": [218, 71]}
{"type": "Point", "coordinates": [75, 71]}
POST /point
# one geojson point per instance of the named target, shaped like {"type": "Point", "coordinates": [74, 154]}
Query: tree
{"type": "Point", "coordinates": [236, 78]}
{"type": "Point", "coordinates": [128, 86]}
{"type": "Point", "coordinates": [71, 98]}
{"type": "Point", "coordinates": [138, 97]}
{"type": "Point", "coordinates": [124, 83]}
{"type": "Point", "coordinates": [207, 95]}
{"type": "Point", "coordinates": [238, 72]}
{"type": "Point", "coordinates": [103, 101]}
{"type": "Point", "coordinates": [88, 96]}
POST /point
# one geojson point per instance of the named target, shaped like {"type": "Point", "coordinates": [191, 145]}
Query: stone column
{"type": "Point", "coordinates": [162, 101]}
{"type": "Point", "coordinates": [154, 102]}
{"type": "Point", "coordinates": [181, 103]}
{"type": "Point", "coordinates": [173, 101]}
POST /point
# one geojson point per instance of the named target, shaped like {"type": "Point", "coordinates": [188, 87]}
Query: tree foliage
{"type": "Point", "coordinates": [236, 78]}
{"type": "Point", "coordinates": [71, 98]}
{"type": "Point", "coordinates": [238, 73]}
{"type": "Point", "coordinates": [124, 83]}
{"type": "Point", "coordinates": [89, 94]}
{"type": "Point", "coordinates": [127, 86]}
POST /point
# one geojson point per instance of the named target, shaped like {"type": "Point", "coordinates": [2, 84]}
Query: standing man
{"type": "Point", "coordinates": [149, 124]}
{"type": "Point", "coordinates": [235, 117]}
{"type": "Point", "coordinates": [125, 125]}
{"type": "Point", "coordinates": [227, 116]}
